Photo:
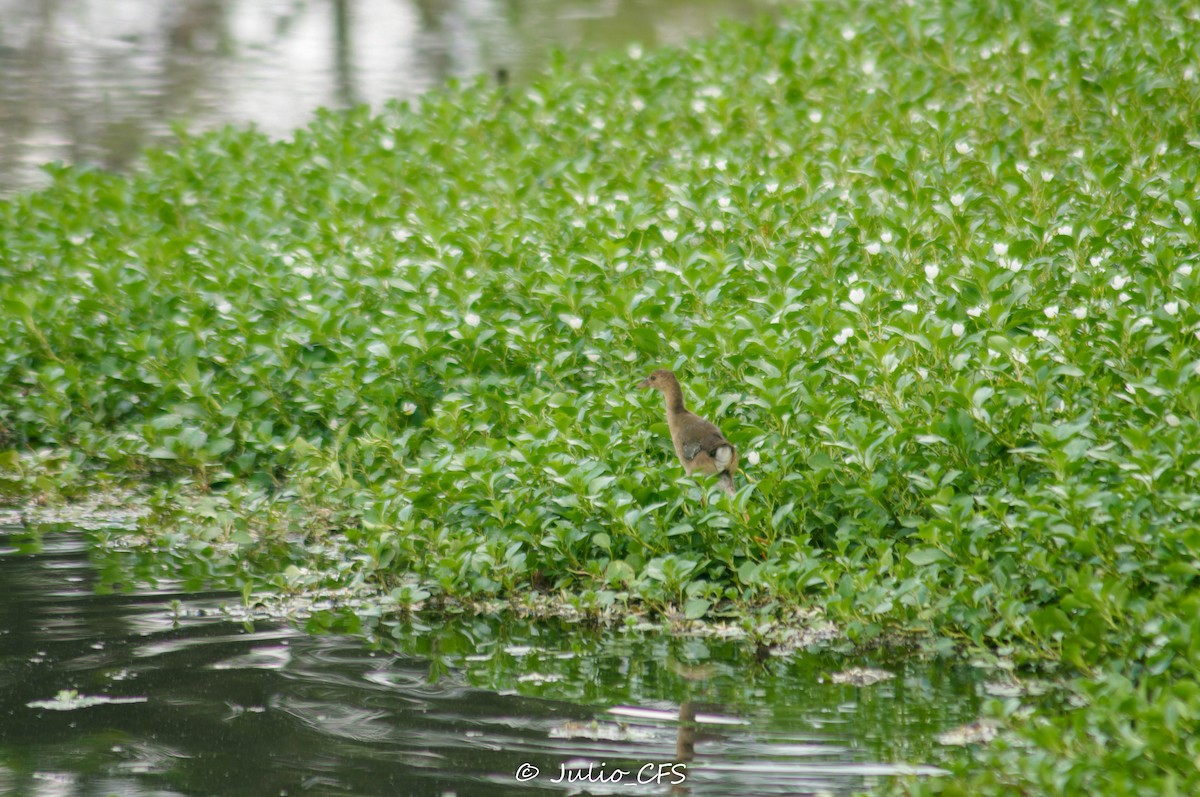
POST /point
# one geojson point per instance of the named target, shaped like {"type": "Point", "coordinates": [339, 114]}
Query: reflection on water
{"type": "Point", "coordinates": [448, 707]}
{"type": "Point", "coordinates": [95, 81]}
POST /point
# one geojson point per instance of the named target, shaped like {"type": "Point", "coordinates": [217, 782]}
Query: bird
{"type": "Point", "coordinates": [699, 444]}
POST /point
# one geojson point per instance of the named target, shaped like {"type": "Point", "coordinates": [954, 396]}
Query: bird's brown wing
{"type": "Point", "coordinates": [708, 442]}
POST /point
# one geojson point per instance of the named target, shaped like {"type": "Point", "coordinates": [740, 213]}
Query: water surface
{"type": "Point", "coordinates": [96, 81]}
{"type": "Point", "coordinates": [198, 704]}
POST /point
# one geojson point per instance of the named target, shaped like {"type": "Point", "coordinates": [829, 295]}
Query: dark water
{"type": "Point", "coordinates": [96, 81]}
{"type": "Point", "coordinates": [198, 704]}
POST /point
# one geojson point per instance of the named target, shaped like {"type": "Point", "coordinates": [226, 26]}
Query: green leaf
{"type": "Point", "coordinates": [695, 608]}
{"type": "Point", "coordinates": [926, 556]}
{"type": "Point", "coordinates": [999, 343]}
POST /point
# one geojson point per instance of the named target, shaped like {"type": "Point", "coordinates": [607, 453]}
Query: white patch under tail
{"type": "Point", "coordinates": [723, 456]}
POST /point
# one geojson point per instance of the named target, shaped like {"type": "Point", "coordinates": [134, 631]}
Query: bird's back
{"type": "Point", "coordinates": [700, 445]}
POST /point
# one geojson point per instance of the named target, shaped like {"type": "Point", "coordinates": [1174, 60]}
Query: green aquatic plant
{"type": "Point", "coordinates": [930, 268]}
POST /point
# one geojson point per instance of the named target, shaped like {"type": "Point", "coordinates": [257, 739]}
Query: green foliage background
{"type": "Point", "coordinates": [933, 263]}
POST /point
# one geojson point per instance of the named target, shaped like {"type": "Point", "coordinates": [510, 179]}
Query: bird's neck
{"type": "Point", "coordinates": [673, 393]}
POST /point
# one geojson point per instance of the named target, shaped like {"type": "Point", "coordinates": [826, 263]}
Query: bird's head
{"type": "Point", "coordinates": [659, 380]}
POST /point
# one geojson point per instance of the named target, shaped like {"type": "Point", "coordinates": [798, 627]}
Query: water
{"type": "Point", "coordinates": [187, 701]}
{"type": "Point", "coordinates": [96, 81]}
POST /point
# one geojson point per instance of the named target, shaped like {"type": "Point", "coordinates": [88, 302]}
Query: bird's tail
{"type": "Point", "coordinates": [723, 457]}
{"type": "Point", "coordinates": [726, 461]}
